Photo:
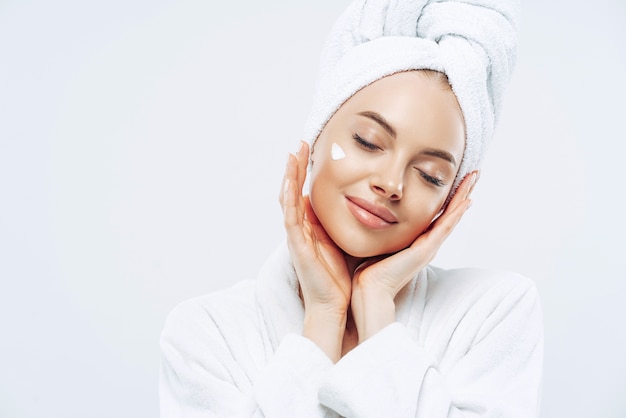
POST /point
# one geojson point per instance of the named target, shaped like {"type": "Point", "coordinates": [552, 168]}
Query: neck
{"type": "Point", "coordinates": [353, 263]}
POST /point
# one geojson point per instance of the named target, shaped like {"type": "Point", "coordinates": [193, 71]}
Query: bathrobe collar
{"type": "Point", "coordinates": [283, 310]}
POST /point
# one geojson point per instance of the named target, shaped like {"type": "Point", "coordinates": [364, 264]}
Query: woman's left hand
{"type": "Point", "coordinates": [376, 283]}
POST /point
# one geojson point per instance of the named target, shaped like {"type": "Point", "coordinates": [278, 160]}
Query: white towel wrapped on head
{"type": "Point", "coordinates": [474, 42]}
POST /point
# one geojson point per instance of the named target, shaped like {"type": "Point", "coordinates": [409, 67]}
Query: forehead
{"type": "Point", "coordinates": [419, 108]}
{"type": "Point", "coordinates": [407, 91]}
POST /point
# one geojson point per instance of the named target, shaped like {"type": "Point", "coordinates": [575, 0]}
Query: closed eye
{"type": "Point", "coordinates": [364, 143]}
{"type": "Point", "coordinates": [432, 180]}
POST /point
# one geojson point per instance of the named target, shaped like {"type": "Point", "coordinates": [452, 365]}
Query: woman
{"type": "Point", "coordinates": [347, 319]}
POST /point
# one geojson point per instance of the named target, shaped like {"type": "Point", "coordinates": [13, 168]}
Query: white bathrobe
{"type": "Point", "coordinates": [466, 343]}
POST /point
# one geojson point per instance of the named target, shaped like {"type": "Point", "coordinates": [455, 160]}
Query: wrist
{"type": "Point", "coordinates": [329, 309]}
{"type": "Point", "coordinates": [373, 309]}
{"type": "Point", "coordinates": [326, 329]}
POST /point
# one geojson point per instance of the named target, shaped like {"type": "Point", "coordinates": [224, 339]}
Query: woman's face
{"type": "Point", "coordinates": [385, 162]}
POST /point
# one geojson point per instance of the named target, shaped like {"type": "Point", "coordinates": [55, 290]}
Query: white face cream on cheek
{"type": "Point", "coordinates": [336, 152]}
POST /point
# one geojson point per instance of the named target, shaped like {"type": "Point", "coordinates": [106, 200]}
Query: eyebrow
{"type": "Point", "coordinates": [439, 153]}
{"type": "Point", "coordinates": [431, 152]}
{"type": "Point", "coordinates": [378, 118]}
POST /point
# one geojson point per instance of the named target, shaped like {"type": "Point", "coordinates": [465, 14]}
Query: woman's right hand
{"type": "Point", "coordinates": [320, 265]}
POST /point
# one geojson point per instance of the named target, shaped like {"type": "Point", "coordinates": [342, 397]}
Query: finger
{"type": "Point", "coordinates": [464, 190]}
{"type": "Point", "coordinates": [288, 177]}
{"type": "Point", "coordinates": [441, 228]}
{"type": "Point", "coordinates": [303, 161]}
{"type": "Point", "coordinates": [421, 252]}
{"type": "Point", "coordinates": [293, 213]}
{"type": "Point", "coordinates": [283, 184]}
{"type": "Point", "coordinates": [474, 182]}
{"type": "Point", "coordinates": [444, 225]}
{"type": "Point", "coordinates": [316, 227]}
{"type": "Point", "coordinates": [310, 214]}
{"type": "Point", "coordinates": [462, 193]}
{"type": "Point", "coordinates": [302, 157]}
{"type": "Point", "coordinates": [424, 248]}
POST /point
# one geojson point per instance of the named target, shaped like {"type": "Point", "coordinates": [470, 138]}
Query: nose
{"type": "Point", "coordinates": [388, 183]}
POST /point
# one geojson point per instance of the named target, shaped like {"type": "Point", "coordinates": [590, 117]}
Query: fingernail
{"type": "Point", "coordinates": [301, 147]}
{"type": "Point", "coordinates": [474, 178]}
{"type": "Point", "coordinates": [472, 183]}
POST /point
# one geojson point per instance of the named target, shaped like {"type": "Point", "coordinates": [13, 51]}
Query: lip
{"type": "Point", "coordinates": [370, 214]}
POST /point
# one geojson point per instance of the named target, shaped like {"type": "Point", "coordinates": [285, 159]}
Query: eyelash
{"type": "Point", "coordinates": [364, 143]}
{"type": "Point", "coordinates": [369, 146]}
{"type": "Point", "coordinates": [432, 180]}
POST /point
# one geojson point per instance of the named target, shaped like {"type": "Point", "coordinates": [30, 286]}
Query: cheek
{"type": "Point", "coordinates": [319, 182]}
{"type": "Point", "coordinates": [423, 212]}
{"type": "Point", "coordinates": [337, 152]}
{"type": "Point", "coordinates": [334, 164]}
{"type": "Point", "coordinates": [330, 179]}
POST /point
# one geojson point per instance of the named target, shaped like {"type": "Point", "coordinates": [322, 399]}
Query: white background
{"type": "Point", "coordinates": [142, 145]}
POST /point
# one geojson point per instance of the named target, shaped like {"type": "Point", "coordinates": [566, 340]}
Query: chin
{"type": "Point", "coordinates": [367, 251]}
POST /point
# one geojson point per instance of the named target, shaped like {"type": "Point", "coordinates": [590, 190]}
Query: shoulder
{"type": "Point", "coordinates": [480, 300]}
{"type": "Point", "coordinates": [213, 311]}
{"type": "Point", "coordinates": [215, 336]}
{"type": "Point", "coordinates": [477, 283]}
{"type": "Point", "coordinates": [493, 311]}
{"type": "Point", "coordinates": [213, 322]}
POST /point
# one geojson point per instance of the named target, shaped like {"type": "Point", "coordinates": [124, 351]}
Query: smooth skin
{"type": "Point", "coordinates": [349, 273]}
